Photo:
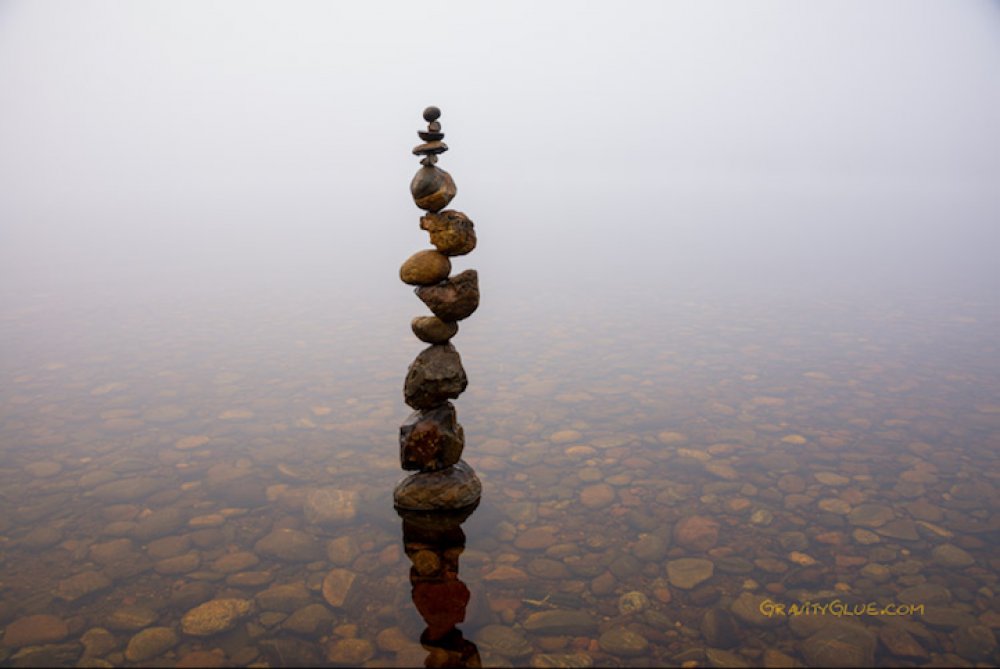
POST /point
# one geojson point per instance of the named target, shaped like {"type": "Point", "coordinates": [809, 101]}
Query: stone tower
{"type": "Point", "coordinates": [431, 440]}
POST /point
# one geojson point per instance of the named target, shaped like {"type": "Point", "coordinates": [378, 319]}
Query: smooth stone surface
{"type": "Point", "coordinates": [720, 629]}
{"type": "Point", "coordinates": [432, 188]}
{"type": "Point", "coordinates": [575, 623]}
{"type": "Point", "coordinates": [623, 642]}
{"type": "Point", "coordinates": [433, 330]}
{"type": "Point", "coordinates": [747, 607]}
{"type": "Point", "coordinates": [454, 299]}
{"type": "Point", "coordinates": [503, 640]}
{"type": "Point", "coordinates": [337, 587]}
{"type": "Point", "coordinates": [80, 585]}
{"type": "Point", "coordinates": [951, 556]}
{"type": "Point", "coordinates": [289, 545]}
{"type": "Point", "coordinates": [285, 597]}
{"type": "Point", "coordinates": [35, 629]}
{"type": "Point", "coordinates": [425, 268]}
{"type": "Point", "coordinates": [840, 644]}
{"type": "Point", "coordinates": [431, 440]}
{"type": "Point", "coordinates": [697, 532]}
{"type": "Point", "coordinates": [215, 616]}
{"type": "Point", "coordinates": [149, 643]}
{"type": "Point", "coordinates": [455, 487]}
{"type": "Point", "coordinates": [330, 507]}
{"type": "Point", "coordinates": [451, 232]}
{"type": "Point", "coordinates": [687, 573]}
{"type": "Point", "coordinates": [435, 376]}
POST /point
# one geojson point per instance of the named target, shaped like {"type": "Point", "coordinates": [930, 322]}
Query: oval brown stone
{"type": "Point", "coordinates": [433, 330]}
{"type": "Point", "coordinates": [425, 268]}
{"type": "Point", "coordinates": [452, 232]}
{"type": "Point", "coordinates": [432, 188]}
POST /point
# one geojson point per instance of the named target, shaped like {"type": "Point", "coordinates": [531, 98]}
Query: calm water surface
{"type": "Point", "coordinates": [659, 473]}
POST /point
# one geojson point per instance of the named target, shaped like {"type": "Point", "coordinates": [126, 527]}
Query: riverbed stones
{"type": "Point", "coordinates": [556, 622]}
{"type": "Point", "coordinates": [698, 533]}
{"type": "Point", "coordinates": [330, 507]}
{"type": "Point", "coordinates": [149, 643]}
{"type": "Point", "coordinates": [951, 556]}
{"type": "Point", "coordinates": [425, 268]}
{"type": "Point", "coordinates": [431, 440]}
{"type": "Point", "coordinates": [433, 330]}
{"type": "Point", "coordinates": [289, 545]}
{"type": "Point", "coordinates": [215, 616]}
{"type": "Point", "coordinates": [32, 630]}
{"type": "Point", "coordinates": [687, 573]}
{"type": "Point", "coordinates": [840, 644]}
{"type": "Point", "coordinates": [623, 642]}
{"type": "Point", "coordinates": [453, 299]}
{"type": "Point", "coordinates": [451, 232]}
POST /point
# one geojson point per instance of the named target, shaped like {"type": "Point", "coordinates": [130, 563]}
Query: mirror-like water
{"type": "Point", "coordinates": [658, 482]}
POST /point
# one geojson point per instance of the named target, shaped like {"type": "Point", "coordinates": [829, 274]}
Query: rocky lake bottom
{"type": "Point", "coordinates": [700, 483]}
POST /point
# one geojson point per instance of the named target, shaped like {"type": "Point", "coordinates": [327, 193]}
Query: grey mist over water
{"type": "Point", "coordinates": [737, 337]}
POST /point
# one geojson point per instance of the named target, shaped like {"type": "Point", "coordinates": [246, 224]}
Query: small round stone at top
{"type": "Point", "coordinates": [432, 114]}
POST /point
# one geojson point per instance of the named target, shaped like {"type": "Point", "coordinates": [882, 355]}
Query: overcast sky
{"type": "Point", "coordinates": [848, 142]}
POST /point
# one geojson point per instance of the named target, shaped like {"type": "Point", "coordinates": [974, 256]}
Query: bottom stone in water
{"type": "Point", "coordinates": [454, 487]}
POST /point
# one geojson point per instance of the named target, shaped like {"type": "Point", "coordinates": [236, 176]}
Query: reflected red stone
{"type": "Point", "coordinates": [441, 605]}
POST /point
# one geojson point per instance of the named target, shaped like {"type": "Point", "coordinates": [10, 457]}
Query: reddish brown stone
{"type": "Point", "coordinates": [441, 604]}
{"type": "Point", "coordinates": [696, 532]}
{"type": "Point", "coordinates": [454, 299]}
{"type": "Point", "coordinates": [431, 440]}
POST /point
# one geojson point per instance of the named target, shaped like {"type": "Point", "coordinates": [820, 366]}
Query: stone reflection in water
{"type": "Point", "coordinates": [434, 542]}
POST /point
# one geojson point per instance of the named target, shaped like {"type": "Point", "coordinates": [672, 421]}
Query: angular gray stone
{"type": "Point", "coordinates": [431, 440]}
{"type": "Point", "coordinates": [435, 376]}
{"type": "Point", "coordinates": [453, 488]}
{"type": "Point", "coordinates": [433, 330]}
{"type": "Point", "coordinates": [453, 299]}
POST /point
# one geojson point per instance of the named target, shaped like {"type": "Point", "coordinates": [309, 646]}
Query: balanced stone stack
{"type": "Point", "coordinates": [431, 440]}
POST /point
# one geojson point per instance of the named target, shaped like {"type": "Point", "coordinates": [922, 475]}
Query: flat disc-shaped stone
{"type": "Point", "coordinates": [448, 489]}
{"type": "Point", "coordinates": [452, 232]}
{"type": "Point", "coordinates": [435, 376]}
{"type": "Point", "coordinates": [432, 188]}
{"type": "Point", "coordinates": [454, 299]}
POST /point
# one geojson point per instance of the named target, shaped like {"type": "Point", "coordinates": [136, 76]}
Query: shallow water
{"type": "Point", "coordinates": [654, 470]}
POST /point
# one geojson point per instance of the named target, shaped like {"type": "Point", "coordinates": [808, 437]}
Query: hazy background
{"type": "Point", "coordinates": [188, 149]}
